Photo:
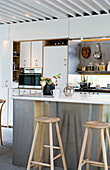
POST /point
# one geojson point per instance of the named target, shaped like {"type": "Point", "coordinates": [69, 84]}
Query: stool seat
{"type": "Point", "coordinates": [47, 119]}
{"type": "Point", "coordinates": [96, 124]}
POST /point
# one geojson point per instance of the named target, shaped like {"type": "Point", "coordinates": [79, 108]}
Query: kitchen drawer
{"type": "Point", "coordinates": [15, 92]}
{"type": "Point", "coordinates": [36, 91]}
{"type": "Point", "coordinates": [24, 91]}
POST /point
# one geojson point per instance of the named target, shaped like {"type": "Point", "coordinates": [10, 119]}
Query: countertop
{"type": "Point", "coordinates": [76, 98]}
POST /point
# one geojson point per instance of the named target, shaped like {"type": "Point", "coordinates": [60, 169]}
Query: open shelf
{"type": "Point", "coordinates": [94, 72]}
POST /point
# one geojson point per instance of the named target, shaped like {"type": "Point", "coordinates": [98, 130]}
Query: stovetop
{"type": "Point", "coordinates": [93, 89]}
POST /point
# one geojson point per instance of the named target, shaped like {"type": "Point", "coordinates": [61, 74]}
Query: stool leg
{"type": "Point", "coordinates": [61, 146]}
{"type": "Point", "coordinates": [51, 146]}
{"type": "Point", "coordinates": [108, 137]}
{"type": "Point", "coordinates": [103, 149]}
{"type": "Point", "coordinates": [1, 135]}
{"type": "Point", "coordinates": [33, 145]}
{"type": "Point", "coordinates": [42, 148]}
{"type": "Point", "coordinates": [83, 149]}
{"type": "Point", "coordinates": [89, 147]}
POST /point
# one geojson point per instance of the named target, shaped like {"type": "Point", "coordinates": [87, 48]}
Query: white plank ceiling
{"type": "Point", "coordinates": [15, 11]}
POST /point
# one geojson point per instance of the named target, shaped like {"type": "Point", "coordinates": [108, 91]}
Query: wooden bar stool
{"type": "Point", "coordinates": [96, 125]}
{"type": "Point", "coordinates": [48, 120]}
{"type": "Point", "coordinates": [2, 102]}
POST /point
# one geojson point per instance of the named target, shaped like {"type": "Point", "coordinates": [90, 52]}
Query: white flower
{"type": "Point", "coordinates": [43, 83]}
{"type": "Point", "coordinates": [53, 80]}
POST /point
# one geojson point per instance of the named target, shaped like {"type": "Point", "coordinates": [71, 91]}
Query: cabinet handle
{"type": "Point", "coordinates": [24, 62]}
{"type": "Point", "coordinates": [36, 62]}
{"type": "Point", "coordinates": [13, 93]}
{"type": "Point", "coordinates": [64, 62]}
{"type": "Point", "coordinates": [6, 83]}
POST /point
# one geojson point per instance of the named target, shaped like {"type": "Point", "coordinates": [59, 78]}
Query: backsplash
{"type": "Point", "coordinates": [102, 80]}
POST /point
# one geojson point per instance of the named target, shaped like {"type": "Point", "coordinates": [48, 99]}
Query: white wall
{"type": "Point", "coordinates": [89, 26]}
{"type": "Point", "coordinates": [39, 30]}
{"type": "Point", "coordinates": [4, 32]}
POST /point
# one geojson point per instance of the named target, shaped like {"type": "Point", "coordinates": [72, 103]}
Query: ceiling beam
{"type": "Point", "coordinates": [12, 15]}
{"type": "Point", "coordinates": [101, 6]}
{"type": "Point", "coordinates": [108, 2]}
{"type": "Point", "coordinates": [59, 13]}
{"type": "Point", "coordinates": [89, 6]}
{"type": "Point", "coordinates": [62, 8]}
{"type": "Point", "coordinates": [18, 9]}
{"type": "Point", "coordinates": [7, 18]}
{"type": "Point", "coordinates": [80, 7]}
{"type": "Point", "coordinates": [35, 9]}
{"type": "Point", "coordinates": [10, 8]}
{"type": "Point", "coordinates": [70, 6]}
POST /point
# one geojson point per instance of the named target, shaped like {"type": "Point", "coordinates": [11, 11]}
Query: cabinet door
{"type": "Point", "coordinates": [37, 54]}
{"type": "Point", "coordinates": [55, 62]}
{"type": "Point", "coordinates": [25, 54]}
{"type": "Point", "coordinates": [6, 60]}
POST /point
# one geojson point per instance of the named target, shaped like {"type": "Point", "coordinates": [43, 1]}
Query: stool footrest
{"type": "Point", "coordinates": [54, 147]}
{"type": "Point", "coordinates": [94, 163]}
{"type": "Point", "coordinates": [57, 156]}
{"type": "Point", "coordinates": [40, 163]}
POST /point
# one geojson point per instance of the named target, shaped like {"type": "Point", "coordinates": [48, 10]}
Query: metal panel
{"type": "Point", "coordinates": [23, 115]}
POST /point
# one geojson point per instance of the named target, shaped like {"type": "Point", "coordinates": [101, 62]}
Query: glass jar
{"type": "Point", "coordinates": [90, 67]}
{"type": "Point", "coordinates": [102, 66]}
{"type": "Point", "coordinates": [96, 67]}
{"type": "Point", "coordinates": [68, 90]}
{"type": "Point", "coordinates": [108, 66]}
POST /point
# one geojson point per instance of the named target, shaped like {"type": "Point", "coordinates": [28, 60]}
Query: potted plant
{"type": "Point", "coordinates": [49, 84]}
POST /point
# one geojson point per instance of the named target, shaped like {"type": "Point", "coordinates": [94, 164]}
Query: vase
{"type": "Point", "coordinates": [47, 89]}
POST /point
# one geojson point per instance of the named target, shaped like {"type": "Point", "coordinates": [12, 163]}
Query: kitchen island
{"type": "Point", "coordinates": [72, 111]}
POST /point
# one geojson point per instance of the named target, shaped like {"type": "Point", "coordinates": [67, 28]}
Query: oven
{"type": "Point", "coordinates": [30, 78]}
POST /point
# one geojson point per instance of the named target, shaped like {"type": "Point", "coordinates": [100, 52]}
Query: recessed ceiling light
{"type": "Point", "coordinates": [38, 1]}
{"type": "Point", "coordinates": [27, 15]}
{"type": "Point", "coordinates": [13, 17]}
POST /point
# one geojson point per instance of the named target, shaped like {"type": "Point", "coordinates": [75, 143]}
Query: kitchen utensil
{"type": "Point", "coordinates": [97, 53]}
{"type": "Point", "coordinates": [86, 52]}
{"type": "Point", "coordinates": [68, 90]}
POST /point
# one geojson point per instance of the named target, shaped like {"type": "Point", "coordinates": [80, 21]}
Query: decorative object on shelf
{"type": "Point", "coordinates": [102, 67]}
{"type": "Point", "coordinates": [97, 53]}
{"type": "Point", "coordinates": [68, 90]}
{"type": "Point", "coordinates": [49, 84]}
{"type": "Point", "coordinates": [90, 67]}
{"type": "Point", "coordinates": [86, 52]}
{"type": "Point", "coordinates": [108, 66]}
{"type": "Point", "coordinates": [96, 67]}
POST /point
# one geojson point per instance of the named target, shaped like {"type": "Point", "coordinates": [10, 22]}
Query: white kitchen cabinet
{"type": "Point", "coordinates": [36, 53]}
{"type": "Point", "coordinates": [55, 62]}
{"type": "Point", "coordinates": [7, 63]}
{"type": "Point", "coordinates": [25, 54]}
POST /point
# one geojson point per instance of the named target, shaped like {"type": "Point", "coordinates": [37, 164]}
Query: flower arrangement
{"type": "Point", "coordinates": [54, 80]}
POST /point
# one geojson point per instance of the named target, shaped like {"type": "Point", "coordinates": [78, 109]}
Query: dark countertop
{"type": "Point", "coordinates": [93, 90]}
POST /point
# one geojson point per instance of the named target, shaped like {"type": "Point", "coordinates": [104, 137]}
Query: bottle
{"type": "Point", "coordinates": [96, 67]}
{"type": "Point", "coordinates": [108, 66]}
{"type": "Point", "coordinates": [90, 67]}
{"type": "Point", "coordinates": [102, 66]}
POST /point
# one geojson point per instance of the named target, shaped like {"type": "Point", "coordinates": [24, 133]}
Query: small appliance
{"type": "Point", "coordinates": [30, 78]}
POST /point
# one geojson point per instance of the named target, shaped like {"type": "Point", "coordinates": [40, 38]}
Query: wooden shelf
{"type": "Point", "coordinates": [15, 56]}
{"type": "Point", "coordinates": [94, 72]}
{"type": "Point", "coordinates": [15, 70]}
